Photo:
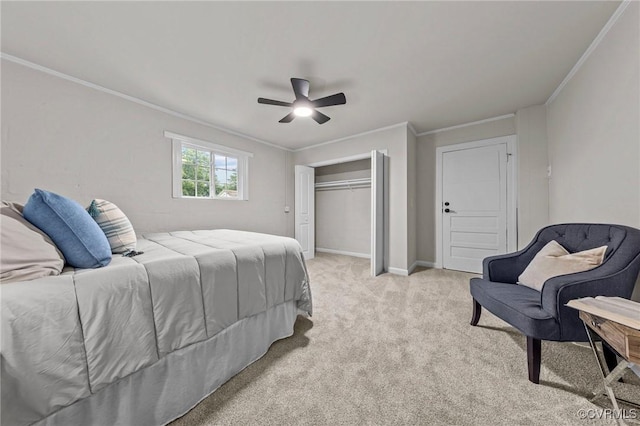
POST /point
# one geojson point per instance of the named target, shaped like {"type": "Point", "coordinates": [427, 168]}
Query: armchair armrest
{"type": "Point", "coordinates": [507, 268]}
{"type": "Point", "coordinates": [605, 280]}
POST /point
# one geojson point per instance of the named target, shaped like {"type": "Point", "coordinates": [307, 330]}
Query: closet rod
{"type": "Point", "coordinates": [342, 184]}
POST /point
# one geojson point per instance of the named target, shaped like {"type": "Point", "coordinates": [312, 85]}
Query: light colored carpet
{"type": "Point", "coordinates": [400, 350]}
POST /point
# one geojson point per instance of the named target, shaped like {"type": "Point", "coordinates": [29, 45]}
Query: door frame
{"type": "Point", "coordinates": [378, 213]}
{"type": "Point", "coordinates": [512, 188]}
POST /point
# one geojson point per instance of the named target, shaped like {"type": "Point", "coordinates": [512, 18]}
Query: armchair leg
{"type": "Point", "coordinates": [533, 359]}
{"type": "Point", "coordinates": [477, 311]}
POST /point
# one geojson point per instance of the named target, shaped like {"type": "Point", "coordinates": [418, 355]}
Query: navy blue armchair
{"type": "Point", "coordinates": [542, 315]}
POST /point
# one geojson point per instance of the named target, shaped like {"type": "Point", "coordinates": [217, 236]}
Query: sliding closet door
{"type": "Point", "coordinates": [377, 213]}
{"type": "Point", "coordinates": [305, 210]}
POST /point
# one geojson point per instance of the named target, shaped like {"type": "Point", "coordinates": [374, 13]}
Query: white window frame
{"type": "Point", "coordinates": [178, 141]}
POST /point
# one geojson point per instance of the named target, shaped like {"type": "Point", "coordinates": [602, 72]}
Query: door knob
{"type": "Point", "coordinates": [446, 203]}
{"type": "Point", "coordinates": [447, 210]}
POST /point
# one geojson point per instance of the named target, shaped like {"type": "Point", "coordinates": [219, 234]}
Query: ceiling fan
{"type": "Point", "coordinates": [303, 106]}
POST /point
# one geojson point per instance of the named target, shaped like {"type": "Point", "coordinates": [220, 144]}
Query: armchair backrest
{"type": "Point", "coordinates": [584, 236]}
{"type": "Point", "coordinates": [623, 241]}
{"type": "Point", "coordinates": [615, 277]}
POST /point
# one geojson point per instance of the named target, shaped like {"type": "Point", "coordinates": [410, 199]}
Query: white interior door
{"type": "Point", "coordinates": [305, 210]}
{"type": "Point", "coordinates": [377, 213]}
{"type": "Point", "coordinates": [474, 206]}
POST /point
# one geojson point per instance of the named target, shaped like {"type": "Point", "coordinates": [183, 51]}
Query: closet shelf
{"type": "Point", "coordinates": [343, 184]}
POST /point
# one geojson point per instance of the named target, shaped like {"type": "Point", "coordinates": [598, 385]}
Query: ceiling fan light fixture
{"type": "Point", "coordinates": [302, 106]}
{"type": "Point", "coordinates": [302, 111]}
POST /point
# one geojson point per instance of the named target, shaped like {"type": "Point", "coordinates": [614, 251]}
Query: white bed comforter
{"type": "Point", "coordinates": [66, 337]}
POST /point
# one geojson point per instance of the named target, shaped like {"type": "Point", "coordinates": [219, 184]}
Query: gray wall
{"type": "Point", "coordinates": [85, 144]}
{"type": "Point", "coordinates": [357, 169]}
{"type": "Point", "coordinates": [533, 183]}
{"type": "Point", "coordinates": [594, 138]}
{"type": "Point", "coordinates": [394, 140]}
{"type": "Point", "coordinates": [343, 216]}
{"type": "Point", "coordinates": [594, 135]}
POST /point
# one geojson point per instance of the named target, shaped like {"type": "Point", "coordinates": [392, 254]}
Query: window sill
{"type": "Point", "coordinates": [209, 198]}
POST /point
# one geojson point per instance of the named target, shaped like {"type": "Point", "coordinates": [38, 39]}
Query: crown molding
{"type": "Point", "coordinates": [594, 44]}
{"type": "Point", "coordinates": [458, 126]}
{"type": "Point", "coordinates": [133, 99]}
{"type": "Point", "coordinates": [368, 132]}
{"type": "Point", "coordinates": [412, 129]}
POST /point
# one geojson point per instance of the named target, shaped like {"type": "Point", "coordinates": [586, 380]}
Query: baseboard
{"type": "Point", "coordinates": [398, 271]}
{"type": "Point", "coordinates": [343, 252]}
{"type": "Point", "coordinates": [414, 265]}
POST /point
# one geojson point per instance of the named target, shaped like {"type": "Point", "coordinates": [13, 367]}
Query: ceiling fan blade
{"type": "Point", "coordinates": [272, 102]}
{"type": "Point", "coordinates": [337, 99]}
{"type": "Point", "coordinates": [300, 87]}
{"type": "Point", "coordinates": [319, 117]}
{"type": "Point", "coordinates": [287, 118]}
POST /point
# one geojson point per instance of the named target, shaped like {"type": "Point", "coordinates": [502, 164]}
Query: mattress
{"type": "Point", "coordinates": [79, 336]}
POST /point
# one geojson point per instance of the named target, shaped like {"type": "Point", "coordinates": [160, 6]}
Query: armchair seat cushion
{"type": "Point", "coordinates": [518, 305]}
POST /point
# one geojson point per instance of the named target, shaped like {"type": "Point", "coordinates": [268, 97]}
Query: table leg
{"type": "Point", "coordinates": [608, 377]}
{"type": "Point", "coordinates": [604, 370]}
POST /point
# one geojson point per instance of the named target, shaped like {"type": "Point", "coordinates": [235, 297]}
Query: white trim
{"type": "Point", "coordinates": [438, 207]}
{"type": "Point", "coordinates": [406, 272]}
{"type": "Point", "coordinates": [398, 271]}
{"type": "Point", "coordinates": [425, 264]}
{"type": "Point", "coordinates": [341, 160]}
{"type": "Point", "coordinates": [486, 120]}
{"type": "Point", "coordinates": [133, 99]}
{"type": "Point", "coordinates": [347, 159]}
{"type": "Point", "coordinates": [243, 184]}
{"type": "Point", "coordinates": [379, 214]}
{"type": "Point", "coordinates": [368, 132]}
{"type": "Point", "coordinates": [343, 253]}
{"type": "Point", "coordinates": [512, 201]}
{"type": "Point", "coordinates": [594, 44]}
{"type": "Point", "coordinates": [176, 168]}
{"type": "Point", "coordinates": [412, 129]}
{"type": "Point", "coordinates": [422, 263]}
{"type": "Point", "coordinates": [222, 149]}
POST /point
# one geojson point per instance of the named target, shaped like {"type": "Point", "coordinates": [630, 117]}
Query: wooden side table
{"type": "Point", "coordinates": [623, 339]}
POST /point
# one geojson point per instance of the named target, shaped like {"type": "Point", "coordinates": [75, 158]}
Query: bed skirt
{"type": "Point", "coordinates": [168, 389]}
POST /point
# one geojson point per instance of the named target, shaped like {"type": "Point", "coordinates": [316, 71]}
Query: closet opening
{"type": "Point", "coordinates": [343, 208]}
{"type": "Point", "coordinates": [340, 208]}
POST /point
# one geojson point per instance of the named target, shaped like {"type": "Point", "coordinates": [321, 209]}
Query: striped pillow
{"type": "Point", "coordinates": [114, 224]}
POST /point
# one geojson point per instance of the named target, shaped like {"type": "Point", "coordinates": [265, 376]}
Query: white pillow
{"type": "Point", "coordinates": [27, 252]}
{"type": "Point", "coordinates": [554, 260]}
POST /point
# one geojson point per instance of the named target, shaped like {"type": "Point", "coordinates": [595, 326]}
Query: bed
{"type": "Point", "coordinates": [143, 340]}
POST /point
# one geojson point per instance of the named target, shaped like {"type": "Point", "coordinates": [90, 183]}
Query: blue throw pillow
{"type": "Point", "coordinates": [73, 231]}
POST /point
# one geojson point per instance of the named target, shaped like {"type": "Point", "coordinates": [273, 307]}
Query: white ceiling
{"type": "Point", "coordinates": [434, 64]}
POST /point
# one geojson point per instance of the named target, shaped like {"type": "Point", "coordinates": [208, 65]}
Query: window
{"type": "Point", "coordinates": [226, 176]}
{"type": "Point", "coordinates": [205, 170]}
